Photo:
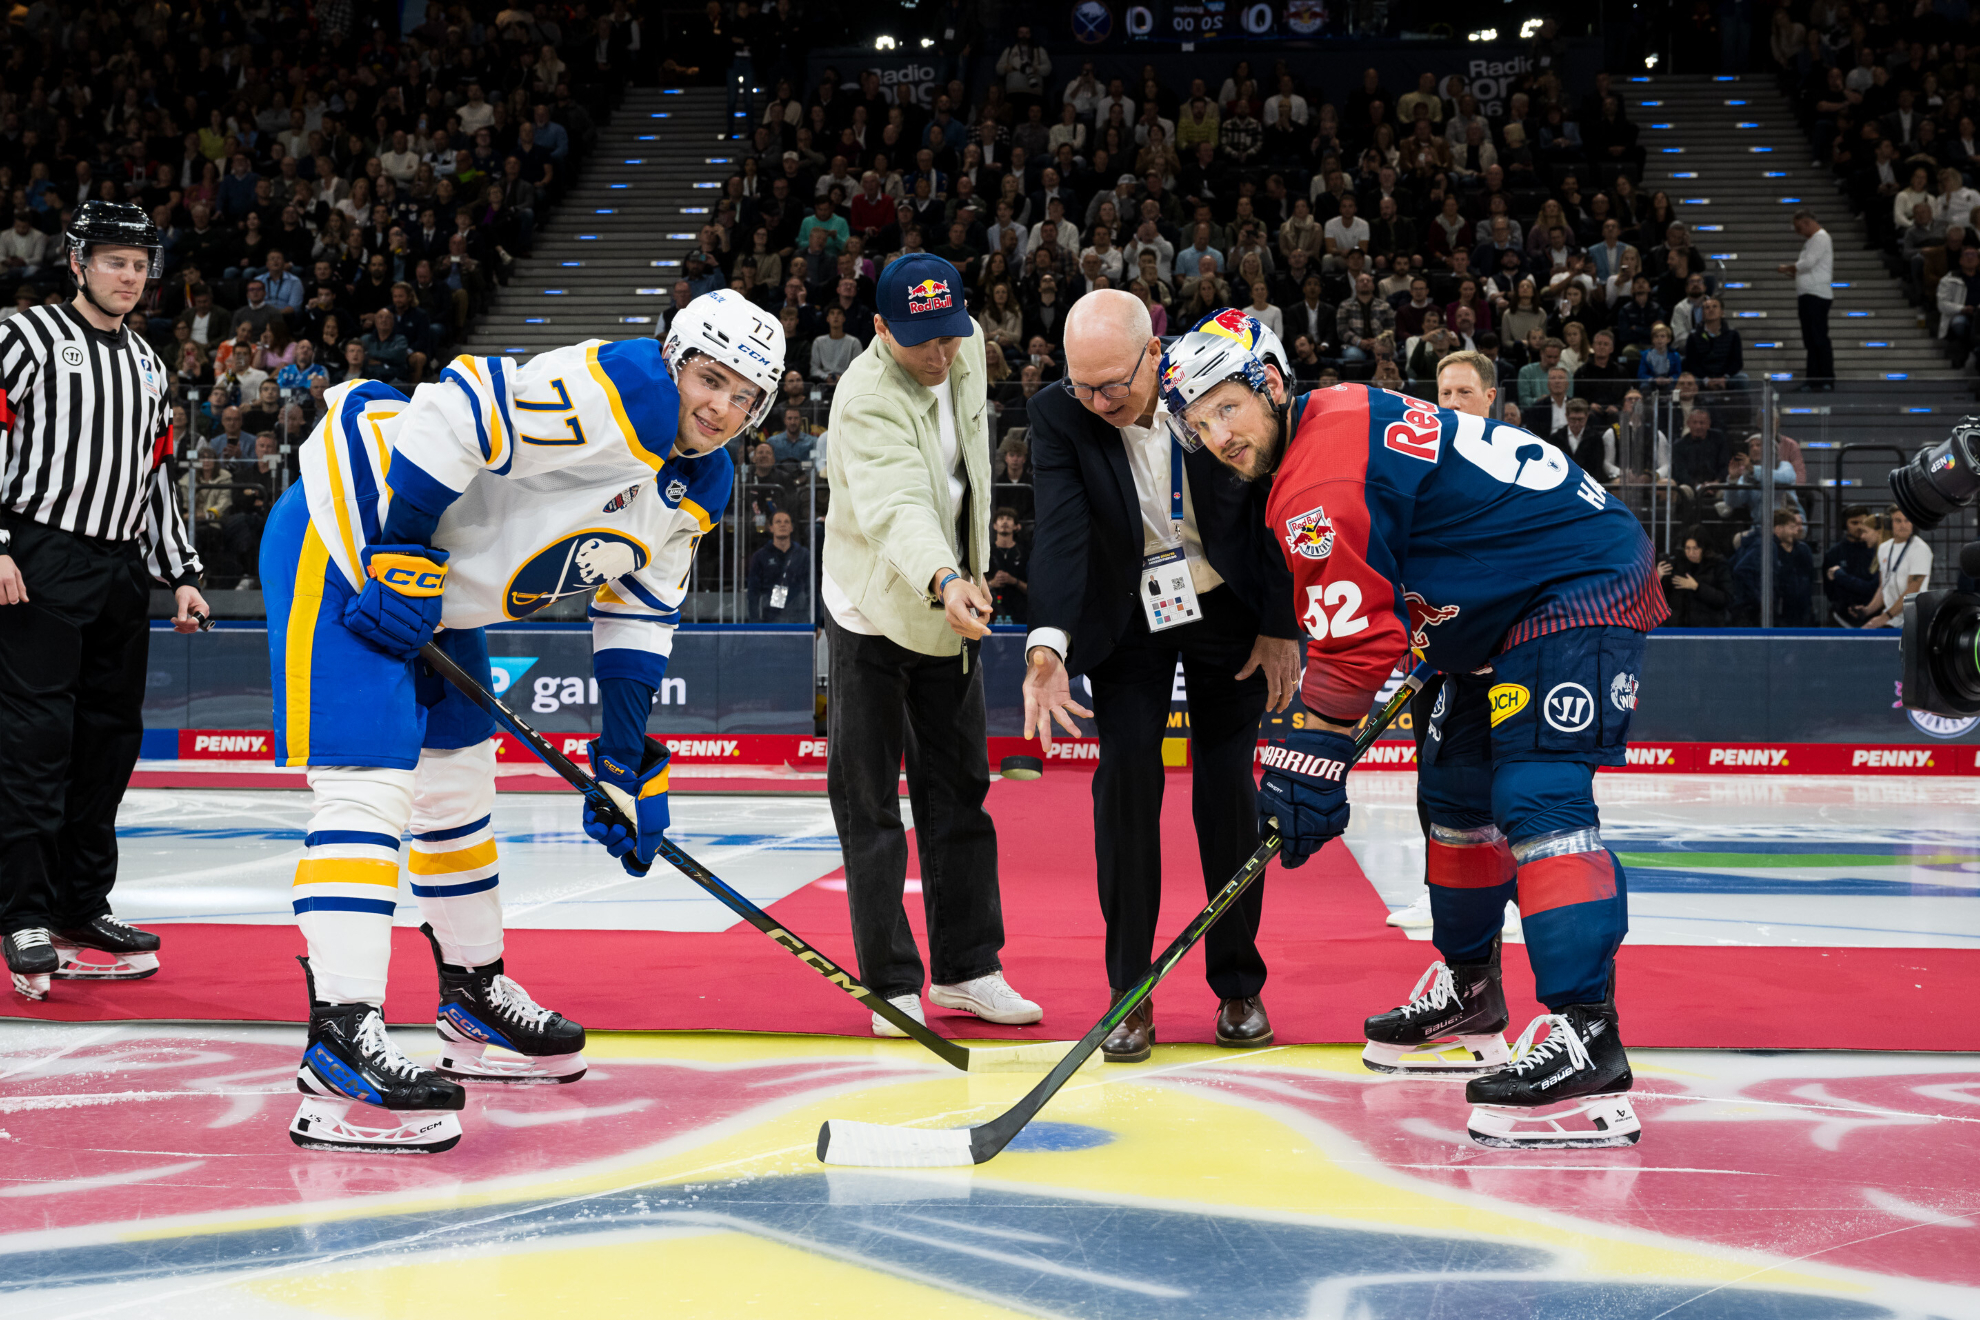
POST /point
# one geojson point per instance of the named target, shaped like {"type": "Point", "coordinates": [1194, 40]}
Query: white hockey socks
{"type": "Point", "coordinates": [347, 885]}
{"type": "Point", "coordinates": [453, 862]}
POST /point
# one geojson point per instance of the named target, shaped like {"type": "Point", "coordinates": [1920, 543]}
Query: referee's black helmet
{"type": "Point", "coordinates": [118, 224]}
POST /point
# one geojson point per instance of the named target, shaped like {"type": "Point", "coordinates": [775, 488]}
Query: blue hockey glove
{"type": "Point", "coordinates": [399, 608]}
{"type": "Point", "coordinates": [641, 796]}
{"type": "Point", "coordinates": [1305, 790]}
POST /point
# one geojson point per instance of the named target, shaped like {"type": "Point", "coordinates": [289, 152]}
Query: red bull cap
{"type": "Point", "coordinates": [920, 298]}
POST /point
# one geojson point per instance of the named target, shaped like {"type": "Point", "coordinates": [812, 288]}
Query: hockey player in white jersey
{"type": "Point", "coordinates": [593, 470]}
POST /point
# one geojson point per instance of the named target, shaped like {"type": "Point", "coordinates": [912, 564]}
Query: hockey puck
{"type": "Point", "coordinates": [1020, 767]}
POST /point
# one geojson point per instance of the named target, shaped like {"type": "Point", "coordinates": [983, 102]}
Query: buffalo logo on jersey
{"type": "Point", "coordinates": [1310, 535]}
{"type": "Point", "coordinates": [929, 296]}
{"type": "Point", "coordinates": [1622, 692]}
{"type": "Point", "coordinates": [1424, 616]}
{"type": "Point", "coordinates": [622, 499]}
{"type": "Point", "coordinates": [1506, 701]}
{"type": "Point", "coordinates": [580, 562]}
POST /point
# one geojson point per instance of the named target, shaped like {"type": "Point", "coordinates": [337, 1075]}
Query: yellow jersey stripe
{"type": "Point", "coordinates": [300, 645]}
{"type": "Point", "coordinates": [701, 518]}
{"type": "Point", "coordinates": [451, 863]}
{"type": "Point", "coordinates": [598, 373]}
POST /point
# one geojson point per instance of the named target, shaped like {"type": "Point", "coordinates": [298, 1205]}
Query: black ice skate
{"type": "Point", "coordinates": [1453, 1025]}
{"type": "Point", "coordinates": [350, 1060]}
{"type": "Point", "coordinates": [31, 959]}
{"type": "Point", "coordinates": [481, 1009]}
{"type": "Point", "coordinates": [133, 952]}
{"type": "Point", "coordinates": [1565, 1092]}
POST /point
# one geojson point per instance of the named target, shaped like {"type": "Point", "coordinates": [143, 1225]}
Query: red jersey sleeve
{"type": "Point", "coordinates": [1344, 588]}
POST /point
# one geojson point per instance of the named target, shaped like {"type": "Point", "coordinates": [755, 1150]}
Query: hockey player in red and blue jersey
{"type": "Point", "coordinates": [1488, 552]}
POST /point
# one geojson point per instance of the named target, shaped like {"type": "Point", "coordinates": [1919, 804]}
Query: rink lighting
{"type": "Point", "coordinates": [1751, 316]}
{"type": "Point", "coordinates": [1855, 313]}
{"type": "Point", "coordinates": [1694, 201]}
{"type": "Point", "coordinates": [1789, 201]}
{"type": "Point", "coordinates": [1737, 284]}
{"type": "Point", "coordinates": [589, 238]}
{"type": "Point", "coordinates": [1651, 105]}
{"type": "Point", "coordinates": [707, 185]}
{"type": "Point", "coordinates": [694, 210]}
{"type": "Point", "coordinates": [1710, 229]}
{"type": "Point", "coordinates": [1748, 123]}
{"type": "Point", "coordinates": [515, 348]}
{"type": "Point", "coordinates": [606, 210]}
{"type": "Point", "coordinates": [1884, 343]}
{"type": "Point", "coordinates": [662, 114]}
{"type": "Point", "coordinates": [1783, 375]}
{"type": "Point", "coordinates": [672, 91]}
{"type": "Point", "coordinates": [637, 160]}
{"type": "Point", "coordinates": [681, 236]}
{"type": "Point", "coordinates": [1723, 256]}
{"type": "Point", "coordinates": [1735, 103]}
{"type": "Point", "coordinates": [1672, 151]}
{"type": "Point", "coordinates": [635, 320]}
{"type": "Point", "coordinates": [1663, 125]}
{"type": "Point", "coordinates": [536, 320]}
{"type": "Point", "coordinates": [1528, 28]}
{"type": "Point", "coordinates": [553, 293]}
{"type": "Point", "coordinates": [1915, 410]}
{"type": "Point", "coordinates": [617, 186]}
{"type": "Point", "coordinates": [1841, 284]}
{"type": "Point", "coordinates": [1650, 63]}
{"type": "Point", "coordinates": [1760, 151]}
{"type": "Point", "coordinates": [1726, 77]}
{"type": "Point", "coordinates": [884, 43]}
{"type": "Point", "coordinates": [1769, 343]}
{"type": "Point", "coordinates": [927, 43]}
{"type": "Point", "coordinates": [647, 137]}
{"type": "Point", "coordinates": [720, 160]}
{"type": "Point", "coordinates": [1684, 174]}
{"type": "Point", "coordinates": [649, 293]}
{"type": "Point", "coordinates": [665, 261]}
{"type": "Point", "coordinates": [1483, 34]}
{"type": "Point", "coordinates": [570, 263]}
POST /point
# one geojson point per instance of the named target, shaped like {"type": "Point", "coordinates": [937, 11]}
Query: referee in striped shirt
{"type": "Point", "coordinates": [87, 521]}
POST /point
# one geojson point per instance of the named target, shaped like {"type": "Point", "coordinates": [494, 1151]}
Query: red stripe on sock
{"type": "Point", "coordinates": [1470, 866]}
{"type": "Point", "coordinates": [1554, 882]}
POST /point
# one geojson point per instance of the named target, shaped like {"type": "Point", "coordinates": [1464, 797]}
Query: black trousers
{"type": "Point", "coordinates": [1814, 313]}
{"type": "Point", "coordinates": [1131, 693]}
{"type": "Point", "coordinates": [72, 672]}
{"type": "Point", "coordinates": [887, 701]}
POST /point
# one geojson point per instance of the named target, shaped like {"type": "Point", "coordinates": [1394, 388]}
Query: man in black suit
{"type": "Point", "coordinates": [1113, 488]}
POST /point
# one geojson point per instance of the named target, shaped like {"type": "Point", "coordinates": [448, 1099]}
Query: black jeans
{"type": "Point", "coordinates": [885, 701]}
{"type": "Point", "coordinates": [72, 673]}
{"type": "Point", "coordinates": [1131, 693]}
{"type": "Point", "coordinates": [1814, 313]}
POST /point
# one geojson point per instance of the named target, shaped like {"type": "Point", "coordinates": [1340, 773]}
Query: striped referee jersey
{"type": "Point", "coordinates": [85, 431]}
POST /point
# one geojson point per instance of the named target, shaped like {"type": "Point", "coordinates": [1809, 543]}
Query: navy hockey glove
{"type": "Point", "coordinates": [1305, 790]}
{"type": "Point", "coordinates": [641, 796]}
{"type": "Point", "coordinates": [399, 608]}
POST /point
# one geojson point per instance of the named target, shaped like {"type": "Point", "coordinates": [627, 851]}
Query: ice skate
{"type": "Point", "coordinates": [1414, 917]}
{"type": "Point", "coordinates": [1566, 1092]}
{"type": "Point", "coordinates": [908, 1004]}
{"type": "Point", "coordinates": [481, 1010]}
{"type": "Point", "coordinates": [133, 952]}
{"type": "Point", "coordinates": [1453, 1025]}
{"type": "Point", "coordinates": [350, 1064]}
{"type": "Point", "coordinates": [31, 960]}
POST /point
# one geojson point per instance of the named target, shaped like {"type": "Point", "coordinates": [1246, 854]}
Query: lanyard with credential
{"type": "Point", "coordinates": [1168, 597]}
{"type": "Point", "coordinates": [1175, 489]}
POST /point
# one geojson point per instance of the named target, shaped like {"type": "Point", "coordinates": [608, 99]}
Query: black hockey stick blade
{"type": "Point", "coordinates": [882, 1146]}
{"type": "Point", "coordinates": [1028, 1057]}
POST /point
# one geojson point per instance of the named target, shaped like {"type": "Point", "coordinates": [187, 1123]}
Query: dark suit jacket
{"type": "Point", "coordinates": [1087, 547]}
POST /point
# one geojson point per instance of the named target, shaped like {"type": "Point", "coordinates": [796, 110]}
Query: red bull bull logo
{"type": "Point", "coordinates": [1310, 535]}
{"type": "Point", "coordinates": [929, 296]}
{"type": "Point", "coordinates": [1233, 324]}
{"type": "Point", "coordinates": [1424, 616]}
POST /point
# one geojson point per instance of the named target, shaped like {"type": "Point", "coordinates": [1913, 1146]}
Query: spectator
{"type": "Point", "coordinates": [1794, 575]}
{"type": "Point", "coordinates": [1343, 234]}
{"type": "Point", "coordinates": [1585, 444]}
{"type": "Point", "coordinates": [779, 577]}
{"type": "Point", "coordinates": [794, 443]}
{"type": "Point", "coordinates": [835, 350]}
{"type": "Point", "coordinates": [1700, 457]}
{"type": "Point", "coordinates": [387, 355]}
{"type": "Point", "coordinates": [1849, 568]}
{"type": "Point", "coordinates": [1713, 353]}
{"type": "Point", "coordinates": [1695, 584]}
{"type": "Point", "coordinates": [1904, 568]}
{"type": "Point", "coordinates": [1009, 582]}
{"type": "Point", "coordinates": [1659, 364]}
{"type": "Point", "coordinates": [1363, 319]}
{"type": "Point", "coordinates": [1958, 297]}
{"type": "Point", "coordinates": [1534, 384]}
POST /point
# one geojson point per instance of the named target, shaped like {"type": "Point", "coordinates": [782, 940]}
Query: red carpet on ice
{"type": "Point", "coordinates": [1332, 961]}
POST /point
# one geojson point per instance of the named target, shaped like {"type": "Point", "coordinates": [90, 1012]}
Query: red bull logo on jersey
{"type": "Point", "coordinates": [929, 296]}
{"type": "Point", "coordinates": [1310, 535]}
{"type": "Point", "coordinates": [1424, 616]}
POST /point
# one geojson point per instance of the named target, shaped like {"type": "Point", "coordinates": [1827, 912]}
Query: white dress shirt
{"type": "Point", "coordinates": [1815, 266]}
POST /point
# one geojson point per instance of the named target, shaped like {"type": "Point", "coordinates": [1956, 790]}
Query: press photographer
{"type": "Point", "coordinates": [1941, 641]}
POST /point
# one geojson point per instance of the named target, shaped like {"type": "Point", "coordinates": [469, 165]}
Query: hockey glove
{"type": "Point", "coordinates": [641, 796]}
{"type": "Point", "coordinates": [399, 608]}
{"type": "Point", "coordinates": [1305, 791]}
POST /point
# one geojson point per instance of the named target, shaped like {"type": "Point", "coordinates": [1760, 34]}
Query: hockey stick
{"type": "Point", "coordinates": [1018, 1058]}
{"type": "Point", "coordinates": [881, 1146]}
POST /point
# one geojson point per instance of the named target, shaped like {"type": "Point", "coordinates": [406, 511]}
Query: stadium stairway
{"type": "Point", "coordinates": [604, 268]}
{"type": "Point", "coordinates": [1737, 168]}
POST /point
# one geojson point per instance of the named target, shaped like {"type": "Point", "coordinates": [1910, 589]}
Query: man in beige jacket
{"type": "Point", "coordinates": [907, 538]}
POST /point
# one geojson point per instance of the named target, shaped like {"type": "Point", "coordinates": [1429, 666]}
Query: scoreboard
{"type": "Point", "coordinates": [1196, 21]}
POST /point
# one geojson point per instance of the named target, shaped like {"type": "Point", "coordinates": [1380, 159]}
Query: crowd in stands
{"type": "Point", "coordinates": [338, 199]}
{"type": "Point", "coordinates": [1889, 96]}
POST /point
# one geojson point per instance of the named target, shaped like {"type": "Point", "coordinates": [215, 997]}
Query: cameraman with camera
{"type": "Point", "coordinates": [1941, 643]}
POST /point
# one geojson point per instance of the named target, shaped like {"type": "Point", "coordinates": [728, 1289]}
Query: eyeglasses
{"type": "Point", "coordinates": [1115, 392]}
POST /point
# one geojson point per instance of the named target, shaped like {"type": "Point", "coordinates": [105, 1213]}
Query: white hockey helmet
{"type": "Point", "coordinates": [735, 332]}
{"type": "Point", "coordinates": [1225, 345]}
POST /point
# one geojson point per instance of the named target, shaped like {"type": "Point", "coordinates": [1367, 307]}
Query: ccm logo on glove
{"type": "Point", "coordinates": [409, 575]}
{"type": "Point", "coordinates": [1277, 757]}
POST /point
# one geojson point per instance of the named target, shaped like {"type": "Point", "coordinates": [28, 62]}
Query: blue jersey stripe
{"type": "Point", "coordinates": [455, 891]}
{"type": "Point", "coordinates": [457, 832]}
{"type": "Point", "coordinates": [383, 907]}
{"type": "Point", "coordinates": [318, 838]}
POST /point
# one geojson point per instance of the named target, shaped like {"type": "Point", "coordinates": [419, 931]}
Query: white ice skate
{"type": "Point", "coordinates": [989, 997]}
{"type": "Point", "coordinates": [908, 1004]}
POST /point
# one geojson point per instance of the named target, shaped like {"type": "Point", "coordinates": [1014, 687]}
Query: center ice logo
{"type": "Point", "coordinates": [580, 562]}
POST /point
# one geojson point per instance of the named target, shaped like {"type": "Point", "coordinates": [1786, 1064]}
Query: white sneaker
{"type": "Point", "coordinates": [908, 1004]}
{"type": "Point", "coordinates": [1513, 930]}
{"type": "Point", "coordinates": [990, 998]}
{"type": "Point", "coordinates": [1414, 917]}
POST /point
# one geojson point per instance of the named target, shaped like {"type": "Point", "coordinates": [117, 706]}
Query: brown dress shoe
{"type": "Point", "coordinates": [1242, 1024]}
{"type": "Point", "coordinates": [1132, 1041]}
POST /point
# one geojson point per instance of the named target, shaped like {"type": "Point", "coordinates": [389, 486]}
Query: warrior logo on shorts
{"type": "Point", "coordinates": [1424, 616]}
{"type": "Point", "coordinates": [1310, 535]}
{"type": "Point", "coordinates": [1569, 707]}
{"type": "Point", "coordinates": [1622, 692]}
{"type": "Point", "coordinates": [580, 562]}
